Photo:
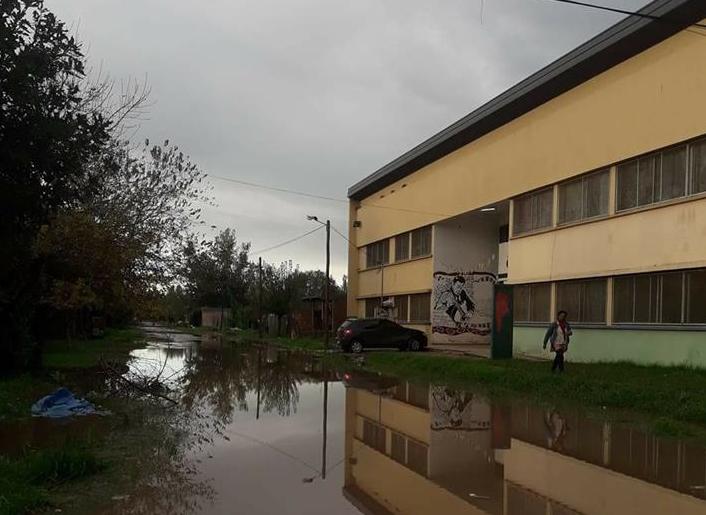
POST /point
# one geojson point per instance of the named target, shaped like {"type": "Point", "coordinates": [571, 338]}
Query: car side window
{"type": "Point", "coordinates": [373, 324]}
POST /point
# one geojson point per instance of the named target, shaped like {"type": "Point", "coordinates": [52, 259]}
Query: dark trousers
{"type": "Point", "coordinates": [558, 361]}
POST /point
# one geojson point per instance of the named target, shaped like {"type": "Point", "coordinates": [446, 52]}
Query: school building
{"type": "Point", "coordinates": [583, 187]}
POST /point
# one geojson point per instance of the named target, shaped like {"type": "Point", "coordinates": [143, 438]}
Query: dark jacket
{"type": "Point", "coordinates": [550, 335]}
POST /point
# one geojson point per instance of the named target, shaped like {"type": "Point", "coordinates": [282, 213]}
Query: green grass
{"type": "Point", "coordinates": [17, 393]}
{"type": "Point", "coordinates": [116, 344]}
{"type": "Point", "coordinates": [671, 396]}
{"type": "Point", "coordinates": [25, 482]}
{"type": "Point", "coordinates": [307, 343]}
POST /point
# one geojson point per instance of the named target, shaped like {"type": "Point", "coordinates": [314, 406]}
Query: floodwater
{"type": "Point", "coordinates": [267, 431]}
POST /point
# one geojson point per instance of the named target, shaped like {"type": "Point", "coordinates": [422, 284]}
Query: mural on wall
{"type": "Point", "coordinates": [458, 410]}
{"type": "Point", "coordinates": [463, 303]}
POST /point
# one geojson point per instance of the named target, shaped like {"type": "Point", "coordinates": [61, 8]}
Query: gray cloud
{"type": "Point", "coordinates": [314, 95]}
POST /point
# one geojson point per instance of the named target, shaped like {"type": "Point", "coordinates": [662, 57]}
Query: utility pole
{"type": "Point", "coordinates": [327, 322]}
{"type": "Point", "coordinates": [259, 301]}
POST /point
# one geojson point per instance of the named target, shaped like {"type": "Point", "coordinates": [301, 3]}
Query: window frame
{"type": "Point", "coordinates": [583, 180]}
{"type": "Point", "coordinates": [420, 231]}
{"type": "Point", "coordinates": [533, 197]}
{"type": "Point", "coordinates": [530, 287]}
{"type": "Point", "coordinates": [407, 236]}
{"type": "Point", "coordinates": [577, 318]}
{"type": "Point", "coordinates": [413, 320]}
{"type": "Point", "coordinates": [385, 245]}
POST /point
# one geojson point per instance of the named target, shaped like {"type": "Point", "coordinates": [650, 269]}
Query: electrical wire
{"type": "Point", "coordinates": [637, 14]}
{"type": "Point", "coordinates": [323, 197]}
{"type": "Point", "coordinates": [287, 242]}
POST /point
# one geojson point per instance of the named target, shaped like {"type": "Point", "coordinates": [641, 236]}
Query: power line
{"type": "Point", "coordinates": [322, 197]}
{"type": "Point", "coordinates": [287, 242]}
{"type": "Point", "coordinates": [637, 14]}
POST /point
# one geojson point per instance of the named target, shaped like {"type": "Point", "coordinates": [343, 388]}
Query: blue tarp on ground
{"type": "Point", "coordinates": [62, 403]}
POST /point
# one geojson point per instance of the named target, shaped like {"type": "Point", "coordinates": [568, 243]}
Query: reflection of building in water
{"type": "Point", "coordinates": [419, 450]}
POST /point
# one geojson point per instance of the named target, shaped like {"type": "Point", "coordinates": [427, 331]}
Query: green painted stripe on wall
{"type": "Point", "coordinates": [638, 346]}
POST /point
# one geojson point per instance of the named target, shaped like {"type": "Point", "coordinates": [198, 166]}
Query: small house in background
{"type": "Point", "coordinates": [215, 317]}
{"type": "Point", "coordinates": [309, 319]}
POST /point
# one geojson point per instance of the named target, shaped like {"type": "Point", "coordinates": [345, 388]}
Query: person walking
{"type": "Point", "coordinates": [558, 336]}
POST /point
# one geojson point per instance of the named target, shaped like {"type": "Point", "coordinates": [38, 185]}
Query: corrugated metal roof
{"type": "Point", "coordinates": [616, 44]}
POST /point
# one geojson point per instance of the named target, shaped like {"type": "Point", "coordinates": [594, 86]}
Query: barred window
{"type": "Point", "coordinates": [374, 436]}
{"type": "Point", "coordinates": [420, 307]}
{"type": "Point", "coordinates": [665, 298]}
{"type": "Point", "coordinates": [534, 211]}
{"type": "Point", "coordinates": [585, 197]}
{"type": "Point", "coordinates": [402, 247]}
{"type": "Point", "coordinates": [531, 302]}
{"type": "Point", "coordinates": [377, 253]}
{"type": "Point", "coordinates": [585, 301]}
{"type": "Point", "coordinates": [402, 307]}
{"type": "Point", "coordinates": [371, 305]}
{"type": "Point", "coordinates": [421, 242]}
{"type": "Point", "coordinates": [654, 178]}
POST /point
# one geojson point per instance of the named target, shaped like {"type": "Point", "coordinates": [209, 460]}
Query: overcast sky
{"type": "Point", "coordinates": [314, 95]}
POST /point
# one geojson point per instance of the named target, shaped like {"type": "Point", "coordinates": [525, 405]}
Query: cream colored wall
{"type": "Point", "coordinates": [393, 414]}
{"type": "Point", "coordinates": [663, 238]}
{"type": "Point", "coordinates": [588, 488]}
{"type": "Point", "coordinates": [407, 277]}
{"type": "Point", "coordinates": [399, 489]}
{"type": "Point", "coordinates": [650, 101]}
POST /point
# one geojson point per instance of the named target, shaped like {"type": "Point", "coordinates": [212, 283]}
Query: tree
{"type": "Point", "coordinates": [47, 135]}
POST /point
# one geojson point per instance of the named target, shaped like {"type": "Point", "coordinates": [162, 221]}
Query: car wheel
{"type": "Point", "coordinates": [356, 347]}
{"type": "Point", "coordinates": [414, 345]}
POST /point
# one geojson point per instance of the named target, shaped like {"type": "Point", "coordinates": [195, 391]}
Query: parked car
{"type": "Point", "coordinates": [354, 335]}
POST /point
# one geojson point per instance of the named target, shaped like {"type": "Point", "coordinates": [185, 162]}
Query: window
{"type": "Point", "coordinates": [398, 451]}
{"type": "Point", "coordinates": [374, 436]}
{"type": "Point", "coordinates": [669, 298]}
{"type": "Point", "coordinates": [402, 308]}
{"type": "Point", "coordinates": [418, 395]}
{"type": "Point", "coordinates": [532, 302]}
{"type": "Point", "coordinates": [377, 253]}
{"type": "Point", "coordinates": [371, 305]}
{"type": "Point", "coordinates": [420, 307]}
{"type": "Point", "coordinates": [421, 242]}
{"type": "Point", "coordinates": [402, 247]}
{"type": "Point", "coordinates": [583, 198]}
{"type": "Point", "coordinates": [654, 178]}
{"type": "Point", "coordinates": [585, 301]}
{"type": "Point", "coordinates": [698, 167]}
{"type": "Point", "coordinates": [417, 457]}
{"type": "Point", "coordinates": [533, 211]}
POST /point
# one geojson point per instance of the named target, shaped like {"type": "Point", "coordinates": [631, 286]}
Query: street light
{"type": "Point", "coordinates": [328, 264]}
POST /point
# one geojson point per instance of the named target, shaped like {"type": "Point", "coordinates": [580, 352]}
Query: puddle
{"type": "Point", "coordinates": [268, 431]}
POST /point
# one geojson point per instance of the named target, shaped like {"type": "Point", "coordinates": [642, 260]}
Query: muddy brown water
{"type": "Point", "coordinates": [279, 432]}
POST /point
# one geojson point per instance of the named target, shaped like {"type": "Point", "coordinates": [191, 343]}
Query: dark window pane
{"type": "Point", "coordinates": [420, 307]}
{"type": "Point", "coordinates": [648, 167]}
{"type": "Point", "coordinates": [521, 305]}
{"type": "Point", "coordinates": [623, 299]}
{"type": "Point", "coordinates": [402, 307]}
{"type": "Point", "coordinates": [645, 298]}
{"type": "Point", "coordinates": [627, 185]}
{"type": "Point", "coordinates": [377, 253]}
{"type": "Point", "coordinates": [698, 167]}
{"type": "Point", "coordinates": [595, 191]}
{"type": "Point", "coordinates": [417, 457]}
{"type": "Point", "coordinates": [421, 242]}
{"type": "Point", "coordinates": [522, 215]}
{"type": "Point", "coordinates": [402, 247]}
{"type": "Point", "coordinates": [374, 435]}
{"type": "Point", "coordinates": [419, 395]}
{"type": "Point", "coordinates": [370, 306]}
{"type": "Point", "coordinates": [593, 301]}
{"type": "Point", "coordinates": [540, 298]}
{"type": "Point", "coordinates": [696, 297]}
{"type": "Point", "coordinates": [671, 298]}
{"type": "Point", "coordinates": [570, 201]}
{"type": "Point", "coordinates": [673, 173]}
{"type": "Point", "coordinates": [568, 298]}
{"type": "Point", "coordinates": [398, 448]}
{"type": "Point", "coordinates": [544, 207]}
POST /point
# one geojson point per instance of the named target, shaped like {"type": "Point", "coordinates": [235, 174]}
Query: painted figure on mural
{"type": "Point", "coordinates": [456, 302]}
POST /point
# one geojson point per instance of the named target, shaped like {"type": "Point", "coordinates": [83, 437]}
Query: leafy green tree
{"type": "Point", "coordinates": [48, 132]}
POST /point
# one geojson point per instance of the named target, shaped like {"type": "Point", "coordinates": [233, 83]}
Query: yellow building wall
{"type": "Point", "coordinates": [588, 488]}
{"type": "Point", "coordinates": [393, 414]}
{"type": "Point", "coordinates": [408, 277]}
{"type": "Point", "coordinates": [650, 101]}
{"type": "Point", "coordinates": [669, 237]}
{"type": "Point", "coordinates": [399, 489]}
